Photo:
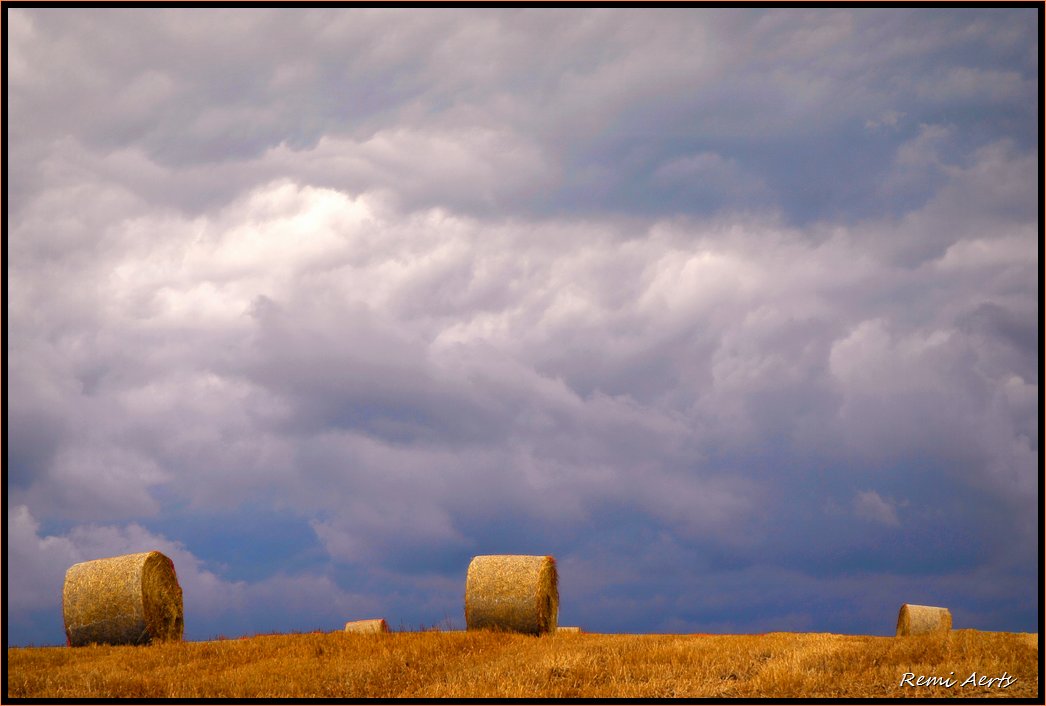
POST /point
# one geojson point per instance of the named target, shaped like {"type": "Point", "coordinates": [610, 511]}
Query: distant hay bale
{"type": "Point", "coordinates": [922, 619]}
{"type": "Point", "coordinates": [132, 599]}
{"type": "Point", "coordinates": [512, 592]}
{"type": "Point", "coordinates": [568, 629]}
{"type": "Point", "coordinates": [377, 625]}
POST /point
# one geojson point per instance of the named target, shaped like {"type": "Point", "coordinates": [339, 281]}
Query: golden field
{"type": "Point", "coordinates": [501, 665]}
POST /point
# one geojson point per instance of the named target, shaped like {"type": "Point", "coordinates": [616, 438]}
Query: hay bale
{"type": "Point", "coordinates": [568, 629]}
{"type": "Point", "coordinates": [133, 599]}
{"type": "Point", "coordinates": [512, 592]}
{"type": "Point", "coordinates": [922, 619]}
{"type": "Point", "coordinates": [376, 625]}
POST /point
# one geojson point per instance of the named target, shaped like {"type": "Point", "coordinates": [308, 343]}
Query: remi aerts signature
{"type": "Point", "coordinates": [975, 679]}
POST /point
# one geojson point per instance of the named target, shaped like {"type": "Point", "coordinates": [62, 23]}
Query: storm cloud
{"type": "Point", "coordinates": [733, 311]}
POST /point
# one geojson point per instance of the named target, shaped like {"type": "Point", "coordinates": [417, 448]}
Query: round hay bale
{"type": "Point", "coordinates": [376, 625]}
{"type": "Point", "coordinates": [922, 619]}
{"type": "Point", "coordinates": [511, 592]}
{"type": "Point", "coordinates": [132, 599]}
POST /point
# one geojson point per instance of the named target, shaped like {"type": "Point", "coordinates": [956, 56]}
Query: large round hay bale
{"type": "Point", "coordinates": [922, 619]}
{"type": "Point", "coordinates": [512, 592]}
{"type": "Point", "coordinates": [367, 626]}
{"type": "Point", "coordinates": [133, 599]}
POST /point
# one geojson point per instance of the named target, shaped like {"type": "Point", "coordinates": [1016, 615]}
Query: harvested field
{"type": "Point", "coordinates": [473, 664]}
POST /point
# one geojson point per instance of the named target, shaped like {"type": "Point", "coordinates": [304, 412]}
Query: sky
{"type": "Point", "coordinates": [733, 312]}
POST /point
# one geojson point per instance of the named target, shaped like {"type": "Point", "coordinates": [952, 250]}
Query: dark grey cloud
{"type": "Point", "coordinates": [733, 311]}
{"type": "Point", "coordinates": [597, 101]}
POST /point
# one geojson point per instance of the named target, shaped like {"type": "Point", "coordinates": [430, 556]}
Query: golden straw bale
{"type": "Point", "coordinates": [922, 619]}
{"type": "Point", "coordinates": [567, 629]}
{"type": "Point", "coordinates": [367, 626]}
{"type": "Point", "coordinates": [515, 593]}
{"type": "Point", "coordinates": [132, 599]}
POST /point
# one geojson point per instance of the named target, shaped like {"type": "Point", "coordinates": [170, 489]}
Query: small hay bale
{"type": "Point", "coordinates": [376, 625]}
{"type": "Point", "coordinates": [132, 599]}
{"type": "Point", "coordinates": [568, 629]}
{"type": "Point", "coordinates": [922, 619]}
{"type": "Point", "coordinates": [512, 592]}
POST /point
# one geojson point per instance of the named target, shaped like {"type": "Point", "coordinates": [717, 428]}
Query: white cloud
{"type": "Point", "coordinates": [21, 32]}
{"type": "Point", "coordinates": [295, 305]}
{"type": "Point", "coordinates": [872, 506]}
{"type": "Point", "coordinates": [85, 482]}
{"type": "Point", "coordinates": [924, 149]}
{"type": "Point", "coordinates": [889, 118]}
{"type": "Point", "coordinates": [1007, 250]}
{"type": "Point", "coordinates": [983, 85]}
{"type": "Point", "coordinates": [39, 562]}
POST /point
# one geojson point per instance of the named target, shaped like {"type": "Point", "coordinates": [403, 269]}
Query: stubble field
{"type": "Point", "coordinates": [499, 665]}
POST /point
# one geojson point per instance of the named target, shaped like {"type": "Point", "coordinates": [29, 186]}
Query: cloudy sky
{"type": "Point", "coordinates": [734, 312]}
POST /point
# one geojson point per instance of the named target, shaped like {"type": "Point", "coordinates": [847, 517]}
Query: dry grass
{"type": "Point", "coordinates": [132, 599]}
{"type": "Point", "coordinates": [431, 665]}
{"type": "Point", "coordinates": [922, 619]}
{"type": "Point", "coordinates": [513, 593]}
